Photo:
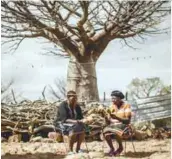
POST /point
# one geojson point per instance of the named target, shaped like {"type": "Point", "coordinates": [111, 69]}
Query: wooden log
{"type": "Point", "coordinates": [7, 122]}
{"type": "Point", "coordinates": [154, 99]}
{"type": "Point", "coordinates": [165, 103]}
{"type": "Point", "coordinates": [152, 116]}
{"type": "Point", "coordinates": [44, 127]}
{"type": "Point", "coordinates": [140, 135]}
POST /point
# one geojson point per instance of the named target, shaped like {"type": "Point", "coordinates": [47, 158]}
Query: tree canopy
{"type": "Point", "coordinates": [79, 27]}
{"type": "Point", "coordinates": [142, 88]}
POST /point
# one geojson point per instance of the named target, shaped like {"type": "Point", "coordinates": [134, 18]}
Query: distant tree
{"type": "Point", "coordinates": [59, 91]}
{"type": "Point", "coordinates": [7, 92]}
{"type": "Point", "coordinates": [142, 88]}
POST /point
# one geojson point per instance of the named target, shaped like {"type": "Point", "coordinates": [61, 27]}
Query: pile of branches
{"type": "Point", "coordinates": [34, 117]}
{"type": "Point", "coordinates": [25, 116]}
{"type": "Point", "coordinates": [150, 130]}
{"type": "Point", "coordinates": [94, 115]}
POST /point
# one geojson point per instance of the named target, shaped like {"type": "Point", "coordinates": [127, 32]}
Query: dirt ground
{"type": "Point", "coordinates": [148, 149]}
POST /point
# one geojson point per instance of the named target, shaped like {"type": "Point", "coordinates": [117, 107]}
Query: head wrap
{"type": "Point", "coordinates": [118, 94]}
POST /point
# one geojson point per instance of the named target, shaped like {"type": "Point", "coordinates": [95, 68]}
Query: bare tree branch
{"type": "Point", "coordinates": [4, 88]}
{"type": "Point", "coordinates": [81, 28]}
{"type": "Point", "coordinates": [43, 93]}
{"type": "Point", "coordinates": [59, 92]}
{"type": "Point", "coordinates": [13, 95]}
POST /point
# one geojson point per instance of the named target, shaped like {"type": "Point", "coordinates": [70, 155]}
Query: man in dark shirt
{"type": "Point", "coordinates": [69, 120]}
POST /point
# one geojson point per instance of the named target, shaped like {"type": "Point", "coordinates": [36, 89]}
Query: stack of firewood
{"type": "Point", "coordinates": [31, 117]}
{"type": "Point", "coordinates": [23, 117]}
{"type": "Point", "coordinates": [149, 130]}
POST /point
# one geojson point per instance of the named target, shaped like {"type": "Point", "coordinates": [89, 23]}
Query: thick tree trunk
{"type": "Point", "coordinates": [82, 78]}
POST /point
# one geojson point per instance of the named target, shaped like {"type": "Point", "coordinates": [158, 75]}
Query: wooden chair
{"type": "Point", "coordinates": [128, 134]}
{"type": "Point", "coordinates": [65, 139]}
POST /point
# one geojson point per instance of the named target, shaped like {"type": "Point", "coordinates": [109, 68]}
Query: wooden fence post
{"type": "Point", "coordinates": [104, 96]}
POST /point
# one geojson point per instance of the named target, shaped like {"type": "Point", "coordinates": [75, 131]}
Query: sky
{"type": "Point", "coordinates": [118, 65]}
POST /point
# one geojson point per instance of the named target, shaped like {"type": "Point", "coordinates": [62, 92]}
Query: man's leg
{"type": "Point", "coordinates": [119, 141]}
{"type": "Point", "coordinates": [80, 139]}
{"type": "Point", "coordinates": [71, 141]}
{"type": "Point", "coordinates": [109, 141]}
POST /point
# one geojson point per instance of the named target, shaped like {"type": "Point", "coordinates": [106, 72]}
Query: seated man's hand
{"type": "Point", "coordinates": [84, 121]}
{"type": "Point", "coordinates": [79, 121]}
{"type": "Point", "coordinates": [88, 120]}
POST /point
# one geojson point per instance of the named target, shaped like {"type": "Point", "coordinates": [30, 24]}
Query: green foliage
{"type": "Point", "coordinates": [142, 88]}
{"type": "Point", "coordinates": [166, 90]}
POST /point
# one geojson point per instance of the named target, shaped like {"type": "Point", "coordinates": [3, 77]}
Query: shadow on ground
{"type": "Point", "coordinates": [34, 156]}
{"type": "Point", "coordinates": [140, 154]}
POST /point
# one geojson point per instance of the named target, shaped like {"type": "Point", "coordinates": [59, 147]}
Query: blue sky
{"type": "Point", "coordinates": [116, 68]}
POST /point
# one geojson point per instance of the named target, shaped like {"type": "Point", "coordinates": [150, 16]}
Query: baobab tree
{"type": "Point", "coordinates": [82, 30]}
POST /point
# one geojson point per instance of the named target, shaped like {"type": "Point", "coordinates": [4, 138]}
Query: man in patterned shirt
{"type": "Point", "coordinates": [119, 116]}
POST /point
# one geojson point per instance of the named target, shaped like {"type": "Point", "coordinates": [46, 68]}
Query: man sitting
{"type": "Point", "coordinates": [69, 120]}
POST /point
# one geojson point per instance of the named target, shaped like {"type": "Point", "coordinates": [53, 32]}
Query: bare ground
{"type": "Point", "coordinates": [148, 149]}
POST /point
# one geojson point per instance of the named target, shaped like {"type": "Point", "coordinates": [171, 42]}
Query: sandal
{"type": "Point", "coordinates": [71, 153]}
{"type": "Point", "coordinates": [81, 151]}
{"type": "Point", "coordinates": [110, 153]}
{"type": "Point", "coordinates": [118, 151]}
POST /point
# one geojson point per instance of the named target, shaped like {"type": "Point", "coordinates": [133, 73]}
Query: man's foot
{"type": "Point", "coordinates": [110, 153]}
{"type": "Point", "coordinates": [118, 151]}
{"type": "Point", "coordinates": [80, 151]}
{"type": "Point", "coordinates": [71, 153]}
